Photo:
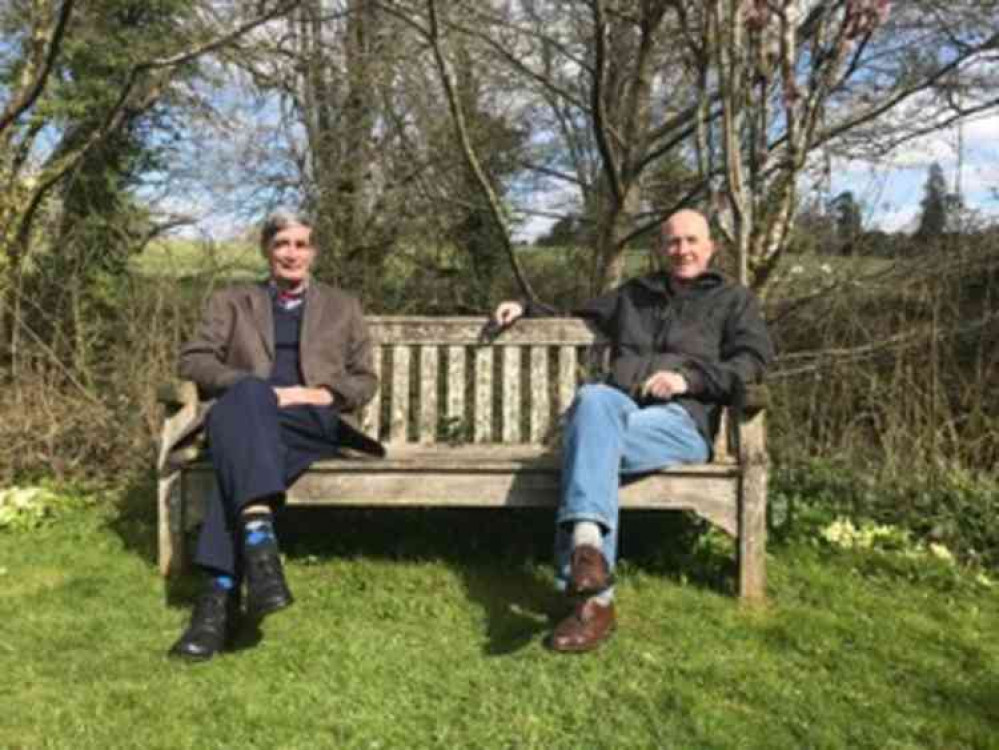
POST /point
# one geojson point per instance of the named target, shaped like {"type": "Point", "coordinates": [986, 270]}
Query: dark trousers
{"type": "Point", "coordinates": [257, 451]}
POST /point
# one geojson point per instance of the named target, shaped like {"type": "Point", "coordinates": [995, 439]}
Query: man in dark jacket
{"type": "Point", "coordinates": [682, 343]}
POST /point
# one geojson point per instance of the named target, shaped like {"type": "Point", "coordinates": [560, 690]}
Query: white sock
{"type": "Point", "coordinates": [586, 532]}
{"type": "Point", "coordinates": [604, 598]}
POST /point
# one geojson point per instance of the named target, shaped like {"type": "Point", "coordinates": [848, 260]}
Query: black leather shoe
{"type": "Point", "coordinates": [213, 623]}
{"type": "Point", "coordinates": [266, 589]}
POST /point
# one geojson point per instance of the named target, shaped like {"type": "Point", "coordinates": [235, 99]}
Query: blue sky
{"type": "Point", "coordinates": [892, 189]}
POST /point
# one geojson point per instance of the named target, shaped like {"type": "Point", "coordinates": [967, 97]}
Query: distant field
{"type": "Point", "coordinates": [175, 258]}
{"type": "Point", "coordinates": [797, 274]}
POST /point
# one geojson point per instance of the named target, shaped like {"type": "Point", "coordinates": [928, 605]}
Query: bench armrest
{"type": "Point", "coordinates": [180, 399]}
{"type": "Point", "coordinates": [177, 394]}
{"type": "Point", "coordinates": [757, 398]}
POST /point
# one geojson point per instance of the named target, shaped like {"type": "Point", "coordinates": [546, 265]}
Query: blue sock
{"type": "Point", "coordinates": [258, 530]}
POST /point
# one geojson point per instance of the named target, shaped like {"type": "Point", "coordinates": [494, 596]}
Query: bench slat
{"type": "Point", "coordinates": [483, 394]}
{"type": "Point", "coordinates": [720, 448]}
{"type": "Point", "coordinates": [540, 401]}
{"type": "Point", "coordinates": [465, 331]}
{"type": "Point", "coordinates": [511, 394]}
{"type": "Point", "coordinates": [371, 415]}
{"type": "Point", "coordinates": [428, 394]}
{"type": "Point", "coordinates": [567, 369]}
{"type": "Point", "coordinates": [400, 394]}
{"type": "Point", "coordinates": [472, 459]}
{"type": "Point", "coordinates": [710, 496]}
{"type": "Point", "coordinates": [456, 386]}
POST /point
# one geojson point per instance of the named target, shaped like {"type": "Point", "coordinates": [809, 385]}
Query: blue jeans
{"type": "Point", "coordinates": [607, 435]}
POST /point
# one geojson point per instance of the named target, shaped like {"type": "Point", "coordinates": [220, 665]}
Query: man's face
{"type": "Point", "coordinates": [687, 245]}
{"type": "Point", "coordinates": [290, 255]}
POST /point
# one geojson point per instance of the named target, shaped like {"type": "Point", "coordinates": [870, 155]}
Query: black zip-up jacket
{"type": "Point", "coordinates": [710, 331]}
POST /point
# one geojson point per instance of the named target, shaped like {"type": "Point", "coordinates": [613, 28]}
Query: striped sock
{"type": "Point", "coordinates": [258, 529]}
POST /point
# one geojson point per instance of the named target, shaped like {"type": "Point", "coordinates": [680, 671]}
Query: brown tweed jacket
{"type": "Point", "coordinates": [235, 339]}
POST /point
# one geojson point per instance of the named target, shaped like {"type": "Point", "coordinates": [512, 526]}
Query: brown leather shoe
{"type": "Point", "coordinates": [589, 625]}
{"type": "Point", "coordinates": [588, 571]}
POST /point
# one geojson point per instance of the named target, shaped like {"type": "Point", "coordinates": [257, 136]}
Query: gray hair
{"type": "Point", "coordinates": [279, 219]}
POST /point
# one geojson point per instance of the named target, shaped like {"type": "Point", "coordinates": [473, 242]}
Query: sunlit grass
{"type": "Point", "coordinates": [423, 630]}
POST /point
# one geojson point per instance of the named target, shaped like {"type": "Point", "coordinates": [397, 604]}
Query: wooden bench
{"type": "Point", "coordinates": [476, 425]}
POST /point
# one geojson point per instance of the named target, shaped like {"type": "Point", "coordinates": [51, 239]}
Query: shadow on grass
{"type": "Point", "coordinates": [134, 520]}
{"type": "Point", "coordinates": [503, 555]}
{"type": "Point", "coordinates": [497, 552]}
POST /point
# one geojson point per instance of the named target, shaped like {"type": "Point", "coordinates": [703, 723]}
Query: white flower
{"type": "Point", "coordinates": [940, 552]}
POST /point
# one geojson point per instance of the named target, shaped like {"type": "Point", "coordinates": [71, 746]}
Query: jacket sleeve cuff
{"type": "Point", "coordinates": [695, 381]}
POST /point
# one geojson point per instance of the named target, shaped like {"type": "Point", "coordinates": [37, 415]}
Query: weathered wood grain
{"type": "Point", "coordinates": [428, 394]}
{"type": "Point", "coordinates": [483, 394]}
{"type": "Point", "coordinates": [465, 331]}
{"type": "Point", "coordinates": [371, 414]}
{"type": "Point", "coordinates": [568, 374]}
{"type": "Point", "coordinates": [540, 398]}
{"type": "Point", "coordinates": [752, 511]}
{"type": "Point", "coordinates": [456, 386]}
{"type": "Point", "coordinates": [399, 382]}
{"type": "Point", "coordinates": [511, 394]}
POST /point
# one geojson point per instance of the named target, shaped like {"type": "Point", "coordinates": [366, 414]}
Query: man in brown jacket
{"type": "Point", "coordinates": [280, 363]}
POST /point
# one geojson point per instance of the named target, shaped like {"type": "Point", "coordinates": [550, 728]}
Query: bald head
{"type": "Point", "coordinates": [687, 244]}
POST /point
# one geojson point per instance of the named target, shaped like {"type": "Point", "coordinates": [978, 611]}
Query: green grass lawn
{"type": "Point", "coordinates": [425, 630]}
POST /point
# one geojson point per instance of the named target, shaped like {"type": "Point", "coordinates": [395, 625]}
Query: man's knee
{"type": "Point", "coordinates": [596, 393]}
{"type": "Point", "coordinates": [249, 386]}
{"type": "Point", "coordinates": [596, 397]}
{"type": "Point", "coordinates": [249, 394]}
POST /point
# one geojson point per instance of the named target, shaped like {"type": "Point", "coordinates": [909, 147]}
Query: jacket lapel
{"type": "Point", "coordinates": [312, 319]}
{"type": "Point", "coordinates": [263, 317]}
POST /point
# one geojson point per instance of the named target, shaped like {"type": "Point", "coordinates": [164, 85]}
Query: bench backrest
{"type": "Point", "coordinates": [439, 384]}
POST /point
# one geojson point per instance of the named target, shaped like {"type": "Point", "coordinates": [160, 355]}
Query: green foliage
{"type": "Point", "coordinates": [948, 512]}
{"type": "Point", "coordinates": [939, 205]}
{"type": "Point", "coordinates": [28, 507]}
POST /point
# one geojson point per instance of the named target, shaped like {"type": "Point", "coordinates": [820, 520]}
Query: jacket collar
{"type": "Point", "coordinates": [313, 316]}
{"type": "Point", "coordinates": [662, 283]}
{"type": "Point", "coordinates": [263, 314]}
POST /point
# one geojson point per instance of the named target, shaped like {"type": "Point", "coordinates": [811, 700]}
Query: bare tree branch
{"type": "Point", "coordinates": [27, 99]}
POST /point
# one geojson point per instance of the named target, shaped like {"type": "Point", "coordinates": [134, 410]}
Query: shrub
{"type": "Point", "coordinates": [956, 509]}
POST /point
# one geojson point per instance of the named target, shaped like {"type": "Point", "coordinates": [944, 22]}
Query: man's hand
{"type": "Point", "coordinates": [664, 385]}
{"type": "Point", "coordinates": [508, 312]}
{"type": "Point", "coordinates": [297, 395]}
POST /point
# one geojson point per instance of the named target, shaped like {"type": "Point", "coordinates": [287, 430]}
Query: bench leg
{"type": "Point", "coordinates": [170, 523]}
{"type": "Point", "coordinates": [753, 535]}
{"type": "Point", "coordinates": [753, 512]}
